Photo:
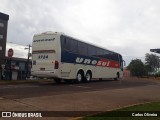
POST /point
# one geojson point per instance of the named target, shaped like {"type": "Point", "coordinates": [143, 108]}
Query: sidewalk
{"type": "Point", "coordinates": [13, 82]}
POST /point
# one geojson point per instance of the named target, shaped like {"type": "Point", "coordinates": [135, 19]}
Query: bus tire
{"type": "Point", "coordinates": [88, 76]}
{"type": "Point", "coordinates": [57, 80]}
{"type": "Point", "coordinates": [117, 76]}
{"type": "Point", "coordinates": [79, 77]}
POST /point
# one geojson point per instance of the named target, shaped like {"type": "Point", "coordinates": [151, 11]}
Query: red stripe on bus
{"type": "Point", "coordinates": [108, 63]}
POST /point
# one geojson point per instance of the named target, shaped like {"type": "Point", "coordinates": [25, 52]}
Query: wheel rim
{"type": "Point", "coordinates": [79, 77]}
{"type": "Point", "coordinates": [88, 77]}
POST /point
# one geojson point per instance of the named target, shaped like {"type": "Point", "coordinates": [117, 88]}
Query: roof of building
{"type": "Point", "coordinates": [4, 16]}
{"type": "Point", "coordinates": [18, 59]}
{"type": "Point", "coordinates": [155, 50]}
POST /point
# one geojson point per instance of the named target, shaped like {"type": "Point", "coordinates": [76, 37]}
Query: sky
{"type": "Point", "coordinates": [129, 27]}
{"type": "Point", "coordinates": [19, 51]}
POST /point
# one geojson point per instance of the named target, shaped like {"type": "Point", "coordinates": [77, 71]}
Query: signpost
{"type": "Point", "coordinates": [10, 55]}
{"type": "Point", "coordinates": [29, 55]}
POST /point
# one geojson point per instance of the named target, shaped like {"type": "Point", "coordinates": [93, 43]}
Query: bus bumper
{"type": "Point", "coordinates": [45, 74]}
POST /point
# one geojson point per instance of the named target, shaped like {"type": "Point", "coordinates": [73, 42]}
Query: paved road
{"type": "Point", "coordinates": [94, 96]}
{"type": "Point", "coordinates": [49, 89]}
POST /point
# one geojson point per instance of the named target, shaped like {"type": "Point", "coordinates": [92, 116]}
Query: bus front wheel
{"type": "Point", "coordinates": [117, 77]}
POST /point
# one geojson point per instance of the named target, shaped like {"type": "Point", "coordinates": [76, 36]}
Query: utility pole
{"type": "Point", "coordinates": [27, 68]}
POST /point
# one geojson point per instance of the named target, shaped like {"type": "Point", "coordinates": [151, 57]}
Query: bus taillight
{"type": "Point", "coordinates": [56, 64]}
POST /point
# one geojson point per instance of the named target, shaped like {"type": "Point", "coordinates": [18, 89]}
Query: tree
{"type": "Point", "coordinates": [137, 67]}
{"type": "Point", "coordinates": [147, 68]}
{"type": "Point", "coordinates": [152, 61]}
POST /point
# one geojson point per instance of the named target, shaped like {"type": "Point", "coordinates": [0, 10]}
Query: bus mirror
{"type": "Point", "coordinates": [122, 69]}
{"type": "Point", "coordinates": [124, 63]}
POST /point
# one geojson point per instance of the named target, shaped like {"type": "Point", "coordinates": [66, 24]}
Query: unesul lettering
{"type": "Point", "coordinates": [93, 62]}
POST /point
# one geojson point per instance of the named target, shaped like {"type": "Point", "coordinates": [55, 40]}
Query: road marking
{"type": "Point", "coordinates": [80, 86]}
{"type": "Point", "coordinates": [15, 86]}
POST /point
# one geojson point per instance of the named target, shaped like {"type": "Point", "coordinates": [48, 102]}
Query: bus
{"type": "Point", "coordinates": [62, 57]}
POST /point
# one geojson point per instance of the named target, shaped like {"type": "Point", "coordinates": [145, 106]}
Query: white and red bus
{"type": "Point", "coordinates": [61, 57]}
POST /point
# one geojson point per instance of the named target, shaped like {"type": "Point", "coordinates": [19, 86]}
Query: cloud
{"type": "Point", "coordinates": [19, 51]}
{"type": "Point", "coordinates": [125, 26]}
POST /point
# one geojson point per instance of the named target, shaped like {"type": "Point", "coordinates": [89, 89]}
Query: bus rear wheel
{"type": "Point", "coordinates": [88, 77]}
{"type": "Point", "coordinates": [79, 77]}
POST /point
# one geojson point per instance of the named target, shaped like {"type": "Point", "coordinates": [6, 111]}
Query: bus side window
{"type": "Point", "coordinates": [117, 58]}
{"type": "Point", "coordinates": [111, 56]}
{"type": "Point", "coordinates": [65, 43]}
{"type": "Point", "coordinates": [114, 56]}
{"type": "Point", "coordinates": [62, 42]}
{"type": "Point", "coordinates": [82, 48]}
{"type": "Point", "coordinates": [74, 47]}
{"type": "Point", "coordinates": [100, 52]}
{"type": "Point", "coordinates": [121, 61]}
{"type": "Point", "coordinates": [106, 54]}
{"type": "Point", "coordinates": [91, 51]}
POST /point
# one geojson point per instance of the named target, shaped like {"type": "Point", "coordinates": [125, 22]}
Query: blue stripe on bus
{"type": "Point", "coordinates": [68, 57]}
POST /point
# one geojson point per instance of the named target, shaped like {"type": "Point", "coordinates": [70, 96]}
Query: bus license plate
{"type": "Point", "coordinates": [42, 69]}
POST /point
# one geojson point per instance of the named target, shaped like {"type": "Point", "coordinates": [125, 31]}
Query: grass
{"type": "Point", "coordinates": [126, 113]}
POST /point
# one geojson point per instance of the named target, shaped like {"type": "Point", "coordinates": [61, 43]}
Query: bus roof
{"type": "Point", "coordinates": [49, 33]}
{"type": "Point", "coordinates": [60, 33]}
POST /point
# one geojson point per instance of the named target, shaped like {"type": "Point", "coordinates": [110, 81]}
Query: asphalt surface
{"type": "Point", "coordinates": [49, 89]}
{"type": "Point", "coordinates": [94, 96]}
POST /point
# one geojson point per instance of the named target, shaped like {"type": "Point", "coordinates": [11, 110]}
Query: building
{"type": "Point", "coordinates": [155, 50]}
{"type": "Point", "coordinates": [18, 68]}
{"type": "Point", "coordinates": [18, 63]}
{"type": "Point", "coordinates": [126, 72]}
{"type": "Point", "coordinates": [3, 37]}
